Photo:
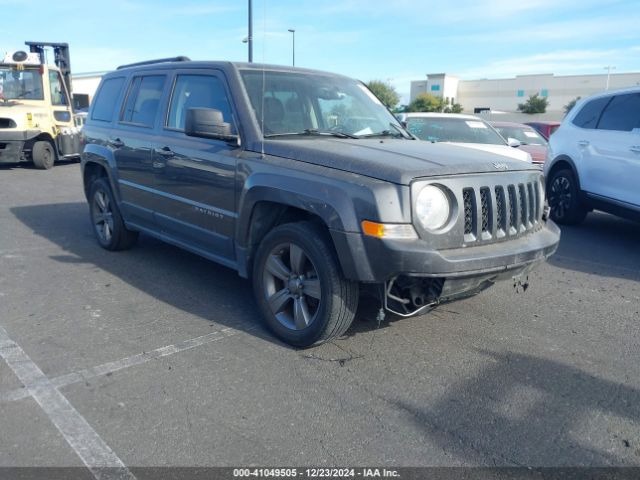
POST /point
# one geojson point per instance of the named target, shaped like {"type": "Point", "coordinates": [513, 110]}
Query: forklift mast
{"type": "Point", "coordinates": [61, 58]}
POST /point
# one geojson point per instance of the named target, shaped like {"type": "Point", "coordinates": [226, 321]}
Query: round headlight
{"type": "Point", "coordinates": [432, 208]}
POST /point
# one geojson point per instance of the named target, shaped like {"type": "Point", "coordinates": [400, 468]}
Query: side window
{"type": "Point", "coordinates": [590, 113]}
{"type": "Point", "coordinates": [197, 91]}
{"type": "Point", "coordinates": [143, 100]}
{"type": "Point", "coordinates": [622, 113]}
{"type": "Point", "coordinates": [58, 95]}
{"type": "Point", "coordinates": [105, 102]}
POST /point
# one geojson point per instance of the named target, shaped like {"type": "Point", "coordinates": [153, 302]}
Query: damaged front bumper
{"type": "Point", "coordinates": [416, 277]}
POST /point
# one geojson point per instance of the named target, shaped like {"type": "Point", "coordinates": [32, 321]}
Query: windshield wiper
{"type": "Point", "coordinates": [311, 132]}
{"type": "Point", "coordinates": [399, 133]}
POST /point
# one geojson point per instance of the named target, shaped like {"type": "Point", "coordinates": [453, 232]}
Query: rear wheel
{"type": "Point", "coordinates": [43, 155]}
{"type": "Point", "coordinates": [107, 222]}
{"type": "Point", "coordinates": [564, 198]}
{"type": "Point", "coordinates": [299, 287]}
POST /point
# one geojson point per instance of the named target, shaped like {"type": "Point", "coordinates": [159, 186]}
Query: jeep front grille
{"type": "Point", "coordinates": [502, 211]}
{"type": "Point", "coordinates": [488, 208]}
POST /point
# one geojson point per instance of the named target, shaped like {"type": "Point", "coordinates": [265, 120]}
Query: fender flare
{"type": "Point", "coordinates": [572, 165]}
{"type": "Point", "coordinates": [102, 156]}
{"type": "Point", "coordinates": [324, 199]}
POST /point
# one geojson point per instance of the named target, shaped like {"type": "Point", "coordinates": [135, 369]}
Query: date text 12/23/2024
{"type": "Point", "coordinates": [315, 473]}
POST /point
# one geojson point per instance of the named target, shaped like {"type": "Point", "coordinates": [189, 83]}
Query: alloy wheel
{"type": "Point", "coordinates": [291, 286]}
{"type": "Point", "coordinates": [560, 196]}
{"type": "Point", "coordinates": [102, 214]}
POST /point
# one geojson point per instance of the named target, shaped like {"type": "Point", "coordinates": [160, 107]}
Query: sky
{"type": "Point", "coordinates": [395, 41]}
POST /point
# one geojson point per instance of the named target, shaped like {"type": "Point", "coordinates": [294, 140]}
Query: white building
{"type": "Point", "coordinates": [505, 94]}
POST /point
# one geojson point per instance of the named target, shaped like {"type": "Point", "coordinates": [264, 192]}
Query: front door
{"type": "Point", "coordinates": [613, 159]}
{"type": "Point", "coordinates": [195, 177]}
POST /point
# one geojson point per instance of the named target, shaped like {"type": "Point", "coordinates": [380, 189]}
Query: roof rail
{"type": "Point", "coordinates": [159, 60]}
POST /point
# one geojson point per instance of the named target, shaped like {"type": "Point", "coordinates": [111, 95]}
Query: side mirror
{"type": "Point", "coordinates": [513, 142]}
{"type": "Point", "coordinates": [207, 123]}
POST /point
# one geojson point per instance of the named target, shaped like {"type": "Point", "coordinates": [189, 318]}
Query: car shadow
{"type": "Point", "coordinates": [603, 245]}
{"type": "Point", "coordinates": [525, 410]}
{"type": "Point", "coordinates": [31, 166]}
{"type": "Point", "coordinates": [174, 276]}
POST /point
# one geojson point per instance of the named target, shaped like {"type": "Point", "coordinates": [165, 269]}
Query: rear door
{"type": "Point", "coordinates": [195, 177]}
{"type": "Point", "coordinates": [133, 141]}
{"type": "Point", "coordinates": [614, 151]}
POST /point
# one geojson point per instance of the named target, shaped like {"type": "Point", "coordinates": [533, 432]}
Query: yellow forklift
{"type": "Point", "coordinates": [36, 110]}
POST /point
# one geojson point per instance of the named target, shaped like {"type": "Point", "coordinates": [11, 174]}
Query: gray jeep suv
{"type": "Point", "coordinates": [304, 182]}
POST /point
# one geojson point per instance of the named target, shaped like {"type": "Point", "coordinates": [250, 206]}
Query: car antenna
{"type": "Point", "coordinates": [264, 42]}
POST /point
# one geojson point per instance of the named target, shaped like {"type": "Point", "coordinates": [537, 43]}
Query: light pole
{"type": "Point", "coordinates": [250, 36]}
{"type": "Point", "coordinates": [608, 68]}
{"type": "Point", "coordinates": [293, 50]}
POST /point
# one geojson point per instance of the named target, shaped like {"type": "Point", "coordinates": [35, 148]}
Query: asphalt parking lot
{"type": "Point", "coordinates": [156, 357]}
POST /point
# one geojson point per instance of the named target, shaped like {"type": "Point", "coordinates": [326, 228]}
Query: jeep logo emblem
{"type": "Point", "coordinates": [501, 166]}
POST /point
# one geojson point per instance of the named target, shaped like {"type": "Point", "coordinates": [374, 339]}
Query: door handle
{"type": "Point", "coordinates": [635, 148]}
{"type": "Point", "coordinates": [165, 152]}
{"type": "Point", "coordinates": [116, 143]}
{"type": "Point", "coordinates": [583, 143]}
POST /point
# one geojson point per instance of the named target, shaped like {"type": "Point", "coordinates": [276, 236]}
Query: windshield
{"type": "Point", "coordinates": [526, 135]}
{"type": "Point", "coordinates": [447, 129]}
{"type": "Point", "coordinates": [316, 104]}
{"type": "Point", "coordinates": [20, 84]}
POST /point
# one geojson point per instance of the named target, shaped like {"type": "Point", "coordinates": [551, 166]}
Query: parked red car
{"type": "Point", "coordinates": [544, 128]}
{"type": "Point", "coordinates": [530, 140]}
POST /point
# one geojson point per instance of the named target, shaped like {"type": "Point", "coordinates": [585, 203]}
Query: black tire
{"type": "Point", "coordinates": [563, 195]}
{"type": "Point", "coordinates": [299, 287]}
{"type": "Point", "coordinates": [43, 155]}
{"type": "Point", "coordinates": [107, 222]}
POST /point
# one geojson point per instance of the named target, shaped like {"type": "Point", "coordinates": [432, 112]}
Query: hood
{"type": "Point", "coordinates": [503, 150]}
{"type": "Point", "coordinates": [393, 160]}
{"type": "Point", "coordinates": [538, 152]}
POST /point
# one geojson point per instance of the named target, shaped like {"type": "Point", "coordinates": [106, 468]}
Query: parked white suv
{"type": "Point", "coordinates": [593, 160]}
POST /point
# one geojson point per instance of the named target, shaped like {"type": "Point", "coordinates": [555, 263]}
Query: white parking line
{"type": "Point", "coordinates": [84, 440]}
{"type": "Point", "coordinates": [139, 359]}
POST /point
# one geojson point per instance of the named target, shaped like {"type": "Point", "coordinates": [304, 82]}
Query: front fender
{"type": "Point", "coordinates": [328, 201]}
{"type": "Point", "coordinates": [341, 199]}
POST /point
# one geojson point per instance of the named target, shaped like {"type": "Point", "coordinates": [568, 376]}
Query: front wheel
{"type": "Point", "coordinates": [43, 155]}
{"type": "Point", "coordinates": [564, 201]}
{"type": "Point", "coordinates": [303, 296]}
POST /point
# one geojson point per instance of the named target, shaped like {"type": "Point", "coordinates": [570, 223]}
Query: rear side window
{"type": "Point", "coordinates": [197, 91]}
{"type": "Point", "coordinates": [143, 100]}
{"type": "Point", "coordinates": [622, 113]}
{"type": "Point", "coordinates": [590, 113]}
{"type": "Point", "coordinates": [105, 102]}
